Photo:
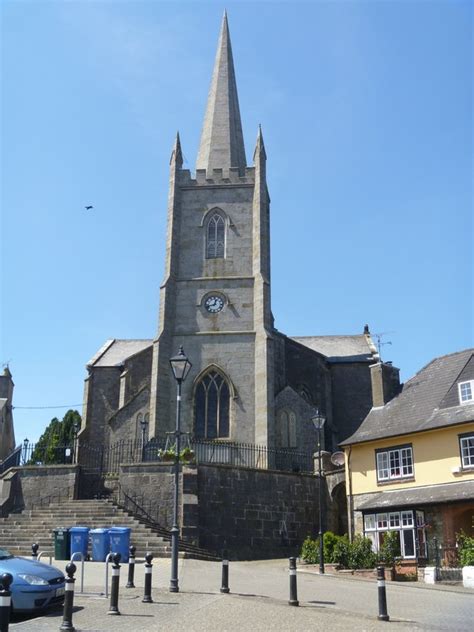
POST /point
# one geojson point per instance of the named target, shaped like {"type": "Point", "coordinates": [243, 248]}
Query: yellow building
{"type": "Point", "coordinates": [410, 465]}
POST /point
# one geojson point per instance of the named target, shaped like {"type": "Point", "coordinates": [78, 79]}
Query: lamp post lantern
{"type": "Point", "coordinates": [180, 365]}
{"type": "Point", "coordinates": [143, 426]}
{"type": "Point", "coordinates": [25, 450]}
{"type": "Point", "coordinates": [318, 421]}
{"type": "Point", "coordinates": [76, 426]}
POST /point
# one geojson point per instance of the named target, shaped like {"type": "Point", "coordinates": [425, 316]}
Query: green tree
{"type": "Point", "coordinates": [51, 446]}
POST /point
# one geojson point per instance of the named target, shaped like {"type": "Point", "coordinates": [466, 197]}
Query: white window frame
{"type": "Point", "coordinates": [470, 386]}
{"type": "Point", "coordinates": [401, 521]}
{"type": "Point", "coordinates": [395, 459]}
{"type": "Point", "coordinates": [467, 452]}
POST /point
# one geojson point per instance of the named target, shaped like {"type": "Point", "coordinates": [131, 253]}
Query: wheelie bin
{"type": "Point", "coordinates": [100, 544]}
{"type": "Point", "coordinates": [61, 543]}
{"type": "Point", "coordinates": [120, 541]}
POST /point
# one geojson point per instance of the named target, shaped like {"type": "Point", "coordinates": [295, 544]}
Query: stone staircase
{"type": "Point", "coordinates": [19, 531]}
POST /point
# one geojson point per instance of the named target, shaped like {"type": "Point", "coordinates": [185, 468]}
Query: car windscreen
{"type": "Point", "coordinates": [4, 554]}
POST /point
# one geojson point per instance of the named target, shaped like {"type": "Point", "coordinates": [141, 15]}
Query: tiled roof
{"type": "Point", "coordinates": [114, 352]}
{"type": "Point", "coordinates": [341, 348]}
{"type": "Point", "coordinates": [417, 406]}
{"type": "Point", "coordinates": [428, 495]}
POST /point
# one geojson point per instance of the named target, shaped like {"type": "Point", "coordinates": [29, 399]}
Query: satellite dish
{"type": "Point", "coordinates": [337, 458]}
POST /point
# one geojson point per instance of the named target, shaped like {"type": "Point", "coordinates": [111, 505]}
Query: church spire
{"type": "Point", "coordinates": [222, 141]}
{"type": "Point", "coordinates": [177, 154]}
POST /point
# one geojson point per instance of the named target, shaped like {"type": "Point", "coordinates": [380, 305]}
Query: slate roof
{"type": "Point", "coordinates": [114, 352]}
{"type": "Point", "coordinates": [358, 348]}
{"type": "Point", "coordinates": [430, 494]}
{"type": "Point", "coordinates": [417, 407]}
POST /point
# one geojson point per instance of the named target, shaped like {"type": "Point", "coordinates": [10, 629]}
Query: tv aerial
{"type": "Point", "coordinates": [381, 343]}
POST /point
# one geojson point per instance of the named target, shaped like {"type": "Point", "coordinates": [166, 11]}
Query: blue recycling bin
{"type": "Point", "coordinates": [120, 541]}
{"type": "Point", "coordinates": [79, 540]}
{"type": "Point", "coordinates": [100, 544]}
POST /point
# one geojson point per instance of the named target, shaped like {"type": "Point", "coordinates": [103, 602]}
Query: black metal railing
{"type": "Point", "coordinates": [46, 454]}
{"type": "Point", "coordinates": [140, 506]}
{"type": "Point", "coordinates": [443, 553]}
{"type": "Point", "coordinates": [12, 460]}
{"type": "Point", "coordinates": [107, 459]}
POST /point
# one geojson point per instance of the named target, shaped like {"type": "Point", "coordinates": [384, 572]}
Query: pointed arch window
{"type": "Point", "coordinates": [215, 237]}
{"type": "Point", "coordinates": [211, 407]}
{"type": "Point", "coordinates": [138, 426]}
{"type": "Point", "coordinates": [286, 429]}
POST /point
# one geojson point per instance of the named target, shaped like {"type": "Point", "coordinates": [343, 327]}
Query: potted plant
{"type": "Point", "coordinates": [187, 454]}
{"type": "Point", "coordinates": [168, 454]}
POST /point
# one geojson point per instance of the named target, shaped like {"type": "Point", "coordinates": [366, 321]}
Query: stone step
{"type": "Point", "coordinates": [19, 531]}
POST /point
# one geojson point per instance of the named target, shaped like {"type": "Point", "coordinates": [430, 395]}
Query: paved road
{"type": "Point", "coordinates": [259, 602]}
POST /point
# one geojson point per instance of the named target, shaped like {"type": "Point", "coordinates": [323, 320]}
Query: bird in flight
{"type": "Point", "coordinates": [88, 208]}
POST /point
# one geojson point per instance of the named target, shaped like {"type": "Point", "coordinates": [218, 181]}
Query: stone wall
{"type": "Point", "coordinates": [151, 486]}
{"type": "Point", "coordinates": [35, 483]}
{"type": "Point", "coordinates": [255, 513]}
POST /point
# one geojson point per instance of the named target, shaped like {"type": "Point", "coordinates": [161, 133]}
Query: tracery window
{"type": "Point", "coordinates": [286, 429]}
{"type": "Point", "coordinates": [215, 237]}
{"type": "Point", "coordinates": [138, 426]}
{"type": "Point", "coordinates": [211, 407]}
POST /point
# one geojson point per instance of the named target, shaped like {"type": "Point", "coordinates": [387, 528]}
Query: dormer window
{"type": "Point", "coordinates": [466, 392]}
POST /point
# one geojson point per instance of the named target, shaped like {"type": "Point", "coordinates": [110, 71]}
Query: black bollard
{"type": "Point", "coordinates": [5, 601]}
{"type": "Point", "coordinates": [114, 590]}
{"type": "Point", "coordinates": [225, 573]}
{"type": "Point", "coordinates": [293, 588]}
{"type": "Point", "coordinates": [131, 568]}
{"type": "Point", "coordinates": [68, 598]}
{"type": "Point", "coordinates": [383, 616]}
{"type": "Point", "coordinates": [34, 551]}
{"type": "Point", "coordinates": [148, 568]}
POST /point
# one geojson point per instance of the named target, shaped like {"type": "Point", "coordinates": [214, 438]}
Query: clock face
{"type": "Point", "coordinates": [214, 303]}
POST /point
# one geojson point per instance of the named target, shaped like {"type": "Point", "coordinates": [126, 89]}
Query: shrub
{"type": "Point", "coordinates": [390, 549]}
{"type": "Point", "coordinates": [340, 554]}
{"type": "Point", "coordinates": [466, 549]}
{"type": "Point", "coordinates": [361, 554]}
{"type": "Point", "coordinates": [310, 551]}
{"type": "Point", "coordinates": [338, 550]}
{"type": "Point", "coordinates": [330, 540]}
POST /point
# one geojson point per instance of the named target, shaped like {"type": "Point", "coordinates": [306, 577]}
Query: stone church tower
{"type": "Point", "coordinates": [215, 297]}
{"type": "Point", "coordinates": [249, 383]}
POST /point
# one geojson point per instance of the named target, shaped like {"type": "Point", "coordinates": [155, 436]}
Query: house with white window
{"type": "Point", "coordinates": [410, 465]}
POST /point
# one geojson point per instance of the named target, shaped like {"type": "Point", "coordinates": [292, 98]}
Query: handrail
{"type": "Point", "coordinates": [45, 553]}
{"type": "Point", "coordinates": [82, 567]}
{"type": "Point", "coordinates": [12, 460]}
{"type": "Point", "coordinates": [47, 499]}
{"type": "Point", "coordinates": [139, 510]}
{"type": "Point", "coordinates": [107, 560]}
{"type": "Point", "coordinates": [165, 533]}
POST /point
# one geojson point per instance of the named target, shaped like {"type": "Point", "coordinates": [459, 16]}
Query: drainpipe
{"type": "Point", "coordinates": [350, 508]}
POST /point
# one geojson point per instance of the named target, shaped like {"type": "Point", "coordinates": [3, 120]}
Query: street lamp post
{"type": "Point", "coordinates": [318, 422]}
{"type": "Point", "coordinates": [143, 425]}
{"type": "Point", "coordinates": [25, 450]}
{"type": "Point", "coordinates": [180, 365]}
{"type": "Point", "coordinates": [76, 426]}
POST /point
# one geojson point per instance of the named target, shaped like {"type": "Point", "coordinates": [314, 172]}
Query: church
{"type": "Point", "coordinates": [249, 383]}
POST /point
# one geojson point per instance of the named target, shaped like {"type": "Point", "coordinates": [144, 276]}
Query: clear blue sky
{"type": "Point", "coordinates": [366, 110]}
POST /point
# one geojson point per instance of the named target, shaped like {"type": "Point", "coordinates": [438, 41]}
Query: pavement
{"type": "Point", "coordinates": [258, 601]}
